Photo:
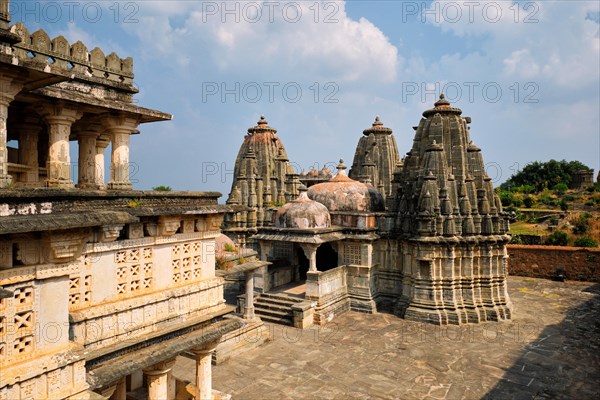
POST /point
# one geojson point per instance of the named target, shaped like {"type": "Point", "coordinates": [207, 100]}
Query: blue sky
{"type": "Point", "coordinates": [528, 73]}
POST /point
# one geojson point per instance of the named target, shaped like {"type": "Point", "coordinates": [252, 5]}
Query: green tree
{"type": "Point", "coordinates": [162, 188]}
{"type": "Point", "coordinates": [544, 174]}
{"type": "Point", "coordinates": [560, 188]}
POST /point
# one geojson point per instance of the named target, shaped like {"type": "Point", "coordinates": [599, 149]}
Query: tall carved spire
{"type": "Point", "coordinates": [376, 157]}
{"type": "Point", "coordinates": [262, 176]}
{"type": "Point", "coordinates": [447, 208]}
{"type": "Point", "coordinates": [442, 148]}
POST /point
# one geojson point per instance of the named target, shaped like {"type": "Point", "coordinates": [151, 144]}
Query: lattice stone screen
{"type": "Point", "coordinates": [352, 254]}
{"type": "Point", "coordinates": [134, 271]}
{"type": "Point", "coordinates": [80, 285]}
{"type": "Point", "coordinates": [17, 323]}
{"type": "Point", "coordinates": [282, 250]}
{"type": "Point", "coordinates": [186, 262]}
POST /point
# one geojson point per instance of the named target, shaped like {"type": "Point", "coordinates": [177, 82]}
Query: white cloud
{"type": "Point", "coordinates": [289, 42]}
{"type": "Point", "coordinates": [521, 63]}
{"type": "Point", "coordinates": [553, 42]}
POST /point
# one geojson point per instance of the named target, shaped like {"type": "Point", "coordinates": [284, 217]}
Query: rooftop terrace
{"type": "Point", "coordinates": [550, 349]}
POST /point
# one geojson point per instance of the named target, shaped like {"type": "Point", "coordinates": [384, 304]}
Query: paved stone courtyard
{"type": "Point", "coordinates": [549, 350]}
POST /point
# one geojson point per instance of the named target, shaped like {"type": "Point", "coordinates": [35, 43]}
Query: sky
{"type": "Point", "coordinates": [526, 72]}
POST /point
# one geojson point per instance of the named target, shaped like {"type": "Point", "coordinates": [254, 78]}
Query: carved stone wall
{"type": "Point", "coordinates": [36, 357]}
{"type": "Point", "coordinates": [156, 281]}
{"type": "Point", "coordinates": [454, 284]}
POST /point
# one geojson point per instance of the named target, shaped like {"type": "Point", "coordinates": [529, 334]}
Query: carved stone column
{"type": "Point", "coordinates": [60, 118]}
{"type": "Point", "coordinates": [119, 128]}
{"type": "Point", "coordinates": [29, 130]}
{"type": "Point", "coordinates": [249, 308]}
{"type": "Point", "coordinates": [102, 143]}
{"type": "Point", "coordinates": [87, 156]}
{"type": "Point", "coordinates": [9, 87]}
{"type": "Point", "coordinates": [120, 391]}
{"type": "Point", "coordinates": [4, 14]}
{"type": "Point", "coordinates": [265, 249]}
{"type": "Point", "coordinates": [158, 380]}
{"type": "Point", "coordinates": [204, 371]}
{"type": "Point", "coordinates": [310, 251]}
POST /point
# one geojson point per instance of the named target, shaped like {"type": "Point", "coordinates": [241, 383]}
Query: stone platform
{"type": "Point", "coordinates": [549, 350]}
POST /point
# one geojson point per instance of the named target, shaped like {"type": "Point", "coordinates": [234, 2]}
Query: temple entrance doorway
{"type": "Point", "coordinates": [303, 264]}
{"type": "Point", "coordinates": [327, 258]}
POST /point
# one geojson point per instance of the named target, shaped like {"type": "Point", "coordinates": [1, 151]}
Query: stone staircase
{"type": "Point", "coordinates": [276, 308]}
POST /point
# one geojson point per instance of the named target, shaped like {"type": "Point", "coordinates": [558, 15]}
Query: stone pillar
{"type": "Point", "coordinates": [310, 251]}
{"type": "Point", "coordinates": [9, 88]}
{"type": "Point", "coordinates": [120, 391]}
{"type": "Point", "coordinates": [265, 250]}
{"type": "Point", "coordinates": [119, 128]}
{"type": "Point", "coordinates": [28, 151]}
{"type": "Point", "coordinates": [157, 377]}
{"type": "Point", "coordinates": [59, 119]}
{"type": "Point", "coordinates": [171, 386]}
{"type": "Point", "coordinates": [4, 14]}
{"type": "Point", "coordinates": [204, 372]}
{"type": "Point", "coordinates": [87, 156]}
{"type": "Point", "coordinates": [249, 308]}
{"type": "Point", "coordinates": [101, 145]}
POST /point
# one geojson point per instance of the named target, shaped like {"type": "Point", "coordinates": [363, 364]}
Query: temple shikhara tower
{"type": "Point", "coordinates": [449, 226]}
{"type": "Point", "coordinates": [263, 179]}
{"type": "Point", "coordinates": [376, 158]}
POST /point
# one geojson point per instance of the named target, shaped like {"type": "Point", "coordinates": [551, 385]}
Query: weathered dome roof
{"type": "Point", "coordinates": [302, 213]}
{"type": "Point", "coordinates": [342, 193]}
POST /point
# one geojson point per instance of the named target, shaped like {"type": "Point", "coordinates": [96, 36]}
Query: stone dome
{"type": "Point", "coordinates": [302, 213]}
{"type": "Point", "coordinates": [342, 193]}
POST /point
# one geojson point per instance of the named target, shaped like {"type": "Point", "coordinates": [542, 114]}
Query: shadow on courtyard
{"type": "Point", "coordinates": [562, 363]}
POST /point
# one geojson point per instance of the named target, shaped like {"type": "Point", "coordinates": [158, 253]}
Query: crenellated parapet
{"type": "Point", "coordinates": [58, 55]}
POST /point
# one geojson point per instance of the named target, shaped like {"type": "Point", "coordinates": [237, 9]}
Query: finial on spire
{"type": "Point", "coordinates": [262, 120]}
{"type": "Point", "coordinates": [341, 166]}
{"type": "Point", "coordinates": [442, 102]}
{"type": "Point", "coordinates": [377, 127]}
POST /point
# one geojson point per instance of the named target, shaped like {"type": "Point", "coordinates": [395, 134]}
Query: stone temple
{"type": "Point", "coordinates": [423, 237]}
{"type": "Point", "coordinates": [103, 287]}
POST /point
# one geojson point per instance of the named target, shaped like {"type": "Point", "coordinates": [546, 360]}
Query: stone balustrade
{"type": "Point", "coordinates": [322, 283]}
